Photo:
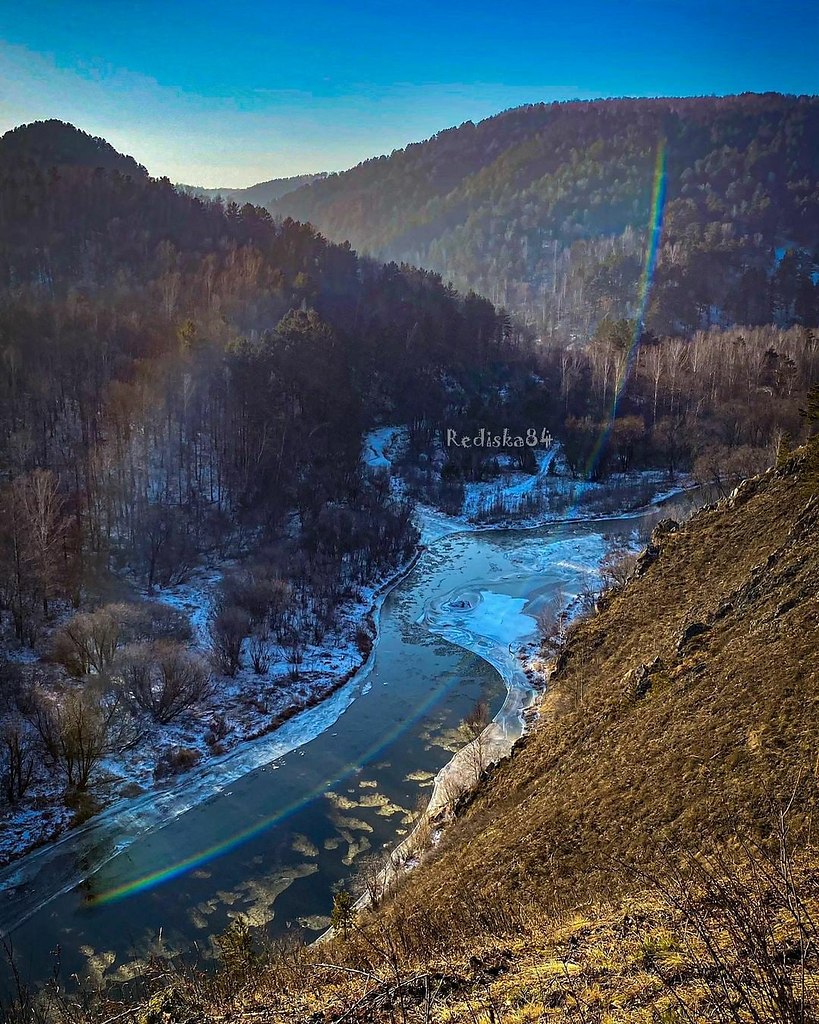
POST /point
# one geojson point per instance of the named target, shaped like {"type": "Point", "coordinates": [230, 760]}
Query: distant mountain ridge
{"type": "Point", "coordinates": [55, 143]}
{"type": "Point", "coordinates": [545, 209]}
{"type": "Point", "coordinates": [264, 193]}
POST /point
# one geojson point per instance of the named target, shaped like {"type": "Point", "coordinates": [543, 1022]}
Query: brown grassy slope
{"type": "Point", "coordinates": [544, 900]}
{"type": "Point", "coordinates": [684, 751]}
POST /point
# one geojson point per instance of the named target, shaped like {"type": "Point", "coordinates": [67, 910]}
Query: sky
{"type": "Point", "coordinates": [228, 94]}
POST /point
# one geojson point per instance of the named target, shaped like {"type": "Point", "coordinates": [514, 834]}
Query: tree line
{"type": "Point", "coordinates": [545, 209]}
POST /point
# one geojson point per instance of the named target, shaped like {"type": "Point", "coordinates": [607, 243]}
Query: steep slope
{"type": "Point", "coordinates": [673, 716]}
{"type": "Point", "coordinates": [645, 854]}
{"type": "Point", "coordinates": [545, 208]}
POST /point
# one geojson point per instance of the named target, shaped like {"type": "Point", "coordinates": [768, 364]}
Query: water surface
{"type": "Point", "coordinates": [271, 831]}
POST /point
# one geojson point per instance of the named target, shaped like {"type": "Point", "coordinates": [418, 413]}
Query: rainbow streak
{"type": "Point", "coordinates": [655, 228]}
{"type": "Point", "coordinates": [182, 867]}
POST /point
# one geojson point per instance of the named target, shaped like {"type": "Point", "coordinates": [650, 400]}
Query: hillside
{"type": "Point", "coordinates": [545, 209]}
{"type": "Point", "coordinates": [264, 193]}
{"type": "Point", "coordinates": [183, 393]}
{"type": "Point", "coordinates": [646, 853]}
{"type": "Point", "coordinates": [49, 144]}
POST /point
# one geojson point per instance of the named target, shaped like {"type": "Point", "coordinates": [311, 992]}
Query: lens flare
{"type": "Point", "coordinates": [197, 860]}
{"type": "Point", "coordinates": [655, 229]}
{"type": "Point", "coordinates": [182, 867]}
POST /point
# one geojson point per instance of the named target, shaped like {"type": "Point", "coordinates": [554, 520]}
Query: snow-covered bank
{"type": "Point", "coordinates": [230, 727]}
{"type": "Point", "coordinates": [500, 629]}
{"type": "Point", "coordinates": [528, 501]}
{"type": "Point", "coordinates": [56, 868]}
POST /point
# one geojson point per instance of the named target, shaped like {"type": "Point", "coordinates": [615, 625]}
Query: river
{"type": "Point", "coordinates": [269, 832]}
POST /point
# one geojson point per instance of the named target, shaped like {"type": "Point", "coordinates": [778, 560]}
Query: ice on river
{"type": "Point", "coordinates": [84, 851]}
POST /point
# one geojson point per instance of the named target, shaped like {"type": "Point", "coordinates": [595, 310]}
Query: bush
{"type": "Point", "coordinates": [153, 620]}
{"type": "Point", "coordinates": [259, 653]}
{"type": "Point", "coordinates": [228, 630]}
{"type": "Point", "coordinates": [175, 761]}
{"type": "Point", "coordinates": [77, 732]}
{"type": "Point", "coordinates": [162, 678]}
{"type": "Point", "coordinates": [83, 804]}
{"type": "Point", "coordinates": [262, 596]}
{"type": "Point", "coordinates": [89, 642]}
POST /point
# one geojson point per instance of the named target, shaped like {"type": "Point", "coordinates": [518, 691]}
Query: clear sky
{"type": "Point", "coordinates": [227, 94]}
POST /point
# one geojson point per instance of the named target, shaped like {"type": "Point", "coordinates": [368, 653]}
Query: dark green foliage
{"type": "Point", "coordinates": [811, 410]}
{"type": "Point", "coordinates": [342, 914]}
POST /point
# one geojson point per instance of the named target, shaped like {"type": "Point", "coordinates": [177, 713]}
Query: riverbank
{"type": "Point", "coordinates": [522, 670]}
{"type": "Point", "coordinates": [249, 707]}
{"type": "Point", "coordinates": [321, 795]}
{"type": "Point", "coordinates": [274, 738]}
{"type": "Point", "coordinates": [237, 712]}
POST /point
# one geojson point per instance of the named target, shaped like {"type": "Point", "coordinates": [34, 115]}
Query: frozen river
{"type": "Point", "coordinates": [270, 831]}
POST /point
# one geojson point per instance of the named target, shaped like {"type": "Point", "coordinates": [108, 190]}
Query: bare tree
{"type": "Point", "coordinates": [373, 876]}
{"type": "Point", "coordinates": [46, 528]}
{"type": "Point", "coordinates": [473, 729]}
{"type": "Point", "coordinates": [17, 760]}
{"type": "Point", "coordinates": [617, 567]}
{"type": "Point", "coordinates": [162, 678]}
{"type": "Point", "coordinates": [227, 633]}
{"type": "Point", "coordinates": [82, 729]}
{"type": "Point", "coordinates": [89, 642]}
{"type": "Point", "coordinates": [553, 621]}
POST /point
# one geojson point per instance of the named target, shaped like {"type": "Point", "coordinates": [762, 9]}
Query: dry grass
{"type": "Point", "coordinates": [623, 864]}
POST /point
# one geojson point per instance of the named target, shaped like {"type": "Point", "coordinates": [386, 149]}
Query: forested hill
{"type": "Point", "coordinates": [545, 208]}
{"type": "Point", "coordinates": [188, 374]}
{"type": "Point", "coordinates": [262, 194]}
{"type": "Point", "coordinates": [49, 144]}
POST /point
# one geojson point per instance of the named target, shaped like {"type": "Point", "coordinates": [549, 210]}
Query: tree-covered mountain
{"type": "Point", "coordinates": [262, 194]}
{"type": "Point", "coordinates": [189, 376]}
{"type": "Point", "coordinates": [44, 145]}
{"type": "Point", "coordinates": [545, 209]}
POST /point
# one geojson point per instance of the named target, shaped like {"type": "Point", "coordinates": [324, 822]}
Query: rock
{"type": "Point", "coordinates": [642, 681]}
{"type": "Point", "coordinates": [742, 492]}
{"type": "Point", "coordinates": [695, 629]}
{"type": "Point", "coordinates": [646, 559]}
{"type": "Point", "coordinates": [649, 556]}
{"type": "Point", "coordinates": [638, 681]}
{"type": "Point", "coordinates": [664, 528]}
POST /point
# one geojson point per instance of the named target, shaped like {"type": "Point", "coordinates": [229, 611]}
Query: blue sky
{"type": "Point", "coordinates": [233, 93]}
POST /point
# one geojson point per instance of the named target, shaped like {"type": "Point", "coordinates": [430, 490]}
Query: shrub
{"type": "Point", "coordinates": [89, 642]}
{"type": "Point", "coordinates": [259, 653]}
{"type": "Point", "coordinates": [228, 630]}
{"type": "Point", "coordinates": [263, 597]}
{"type": "Point", "coordinates": [162, 678]}
{"type": "Point", "coordinates": [77, 732]}
{"type": "Point", "coordinates": [153, 620]}
{"type": "Point", "coordinates": [175, 761]}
